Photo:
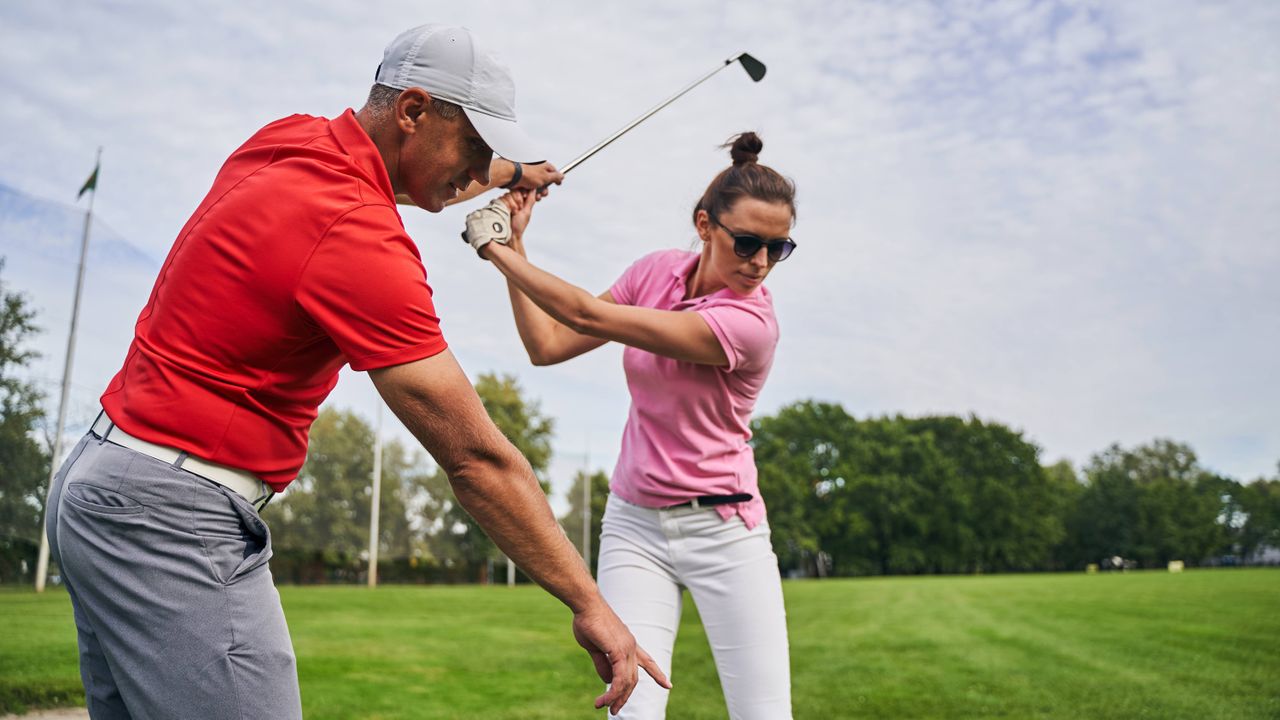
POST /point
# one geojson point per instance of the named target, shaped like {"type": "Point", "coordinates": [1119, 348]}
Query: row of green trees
{"type": "Point", "coordinates": [320, 526]}
{"type": "Point", "coordinates": [895, 495]}
{"type": "Point", "coordinates": [24, 457]}
{"type": "Point", "coordinates": [846, 496]}
{"type": "Point", "coordinates": [877, 496]}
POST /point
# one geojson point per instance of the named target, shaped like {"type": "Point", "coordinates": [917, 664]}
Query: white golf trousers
{"type": "Point", "coordinates": [647, 556]}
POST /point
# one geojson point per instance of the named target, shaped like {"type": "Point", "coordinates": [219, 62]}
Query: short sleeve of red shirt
{"type": "Point", "coordinates": [746, 330]}
{"type": "Point", "coordinates": [366, 288]}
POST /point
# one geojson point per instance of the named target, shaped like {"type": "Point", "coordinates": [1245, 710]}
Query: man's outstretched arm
{"type": "Point", "coordinates": [535, 176]}
{"type": "Point", "coordinates": [495, 484]}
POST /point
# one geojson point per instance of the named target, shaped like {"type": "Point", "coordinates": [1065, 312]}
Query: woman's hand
{"type": "Point", "coordinates": [520, 203]}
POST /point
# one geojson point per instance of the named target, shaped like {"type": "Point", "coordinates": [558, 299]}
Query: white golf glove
{"type": "Point", "coordinates": [491, 223]}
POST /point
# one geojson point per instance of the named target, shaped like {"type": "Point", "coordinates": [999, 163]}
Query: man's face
{"type": "Point", "coordinates": [439, 157]}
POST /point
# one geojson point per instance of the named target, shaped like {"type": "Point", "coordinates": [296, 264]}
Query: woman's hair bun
{"type": "Point", "coordinates": [745, 148]}
{"type": "Point", "coordinates": [746, 178]}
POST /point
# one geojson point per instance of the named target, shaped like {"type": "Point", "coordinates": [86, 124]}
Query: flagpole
{"type": "Point", "coordinates": [42, 560]}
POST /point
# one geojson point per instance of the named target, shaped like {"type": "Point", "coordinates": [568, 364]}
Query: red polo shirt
{"type": "Point", "coordinates": [295, 264]}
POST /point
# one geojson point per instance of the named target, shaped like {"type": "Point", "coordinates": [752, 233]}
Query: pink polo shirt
{"type": "Point", "coordinates": [689, 424]}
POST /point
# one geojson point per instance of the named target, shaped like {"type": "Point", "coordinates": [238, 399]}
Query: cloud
{"type": "Point", "coordinates": [40, 243]}
{"type": "Point", "coordinates": [1057, 215]}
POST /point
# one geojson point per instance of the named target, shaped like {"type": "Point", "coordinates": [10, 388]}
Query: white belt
{"type": "Point", "coordinates": [246, 484]}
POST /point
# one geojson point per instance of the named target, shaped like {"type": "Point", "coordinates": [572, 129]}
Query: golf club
{"type": "Point", "coordinates": [754, 68]}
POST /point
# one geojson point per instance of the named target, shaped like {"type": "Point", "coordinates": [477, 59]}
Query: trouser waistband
{"type": "Point", "coordinates": [242, 482]}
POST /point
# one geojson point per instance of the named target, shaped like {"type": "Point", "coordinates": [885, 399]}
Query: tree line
{"type": "Point", "coordinates": [320, 524]}
{"type": "Point", "coordinates": [846, 496]}
{"type": "Point", "coordinates": [320, 527]}
{"type": "Point", "coordinates": [899, 495]}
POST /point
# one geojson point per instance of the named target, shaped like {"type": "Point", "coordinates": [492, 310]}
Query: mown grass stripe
{"type": "Point", "coordinates": [1196, 646]}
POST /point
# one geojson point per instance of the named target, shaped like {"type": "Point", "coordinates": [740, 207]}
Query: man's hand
{"type": "Point", "coordinates": [491, 223]}
{"type": "Point", "coordinates": [494, 483]}
{"type": "Point", "coordinates": [539, 177]}
{"type": "Point", "coordinates": [616, 656]}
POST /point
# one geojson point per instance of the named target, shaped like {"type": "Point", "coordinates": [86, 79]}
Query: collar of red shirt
{"type": "Point", "coordinates": [352, 137]}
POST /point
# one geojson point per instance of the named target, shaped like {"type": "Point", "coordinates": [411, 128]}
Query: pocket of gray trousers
{"type": "Point", "coordinates": [235, 539]}
{"type": "Point", "coordinates": [99, 486]}
{"type": "Point", "coordinates": [100, 500]}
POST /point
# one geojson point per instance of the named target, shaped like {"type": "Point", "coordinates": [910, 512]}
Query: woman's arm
{"type": "Point", "coordinates": [558, 320]}
{"type": "Point", "coordinates": [545, 339]}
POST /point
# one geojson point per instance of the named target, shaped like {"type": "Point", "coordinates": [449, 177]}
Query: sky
{"type": "Point", "coordinates": [1059, 216]}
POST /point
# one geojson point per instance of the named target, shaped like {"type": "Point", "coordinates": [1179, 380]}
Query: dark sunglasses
{"type": "Point", "coordinates": [745, 246]}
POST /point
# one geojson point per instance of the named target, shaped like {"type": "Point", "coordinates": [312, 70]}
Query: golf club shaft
{"type": "Point", "coordinates": [601, 145]}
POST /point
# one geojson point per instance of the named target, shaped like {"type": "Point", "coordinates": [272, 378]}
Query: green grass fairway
{"type": "Point", "coordinates": [1200, 645]}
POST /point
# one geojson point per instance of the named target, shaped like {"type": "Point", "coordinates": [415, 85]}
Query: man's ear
{"type": "Point", "coordinates": [410, 107]}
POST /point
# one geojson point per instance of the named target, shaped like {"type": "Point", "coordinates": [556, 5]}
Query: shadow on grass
{"type": "Point", "coordinates": [37, 695]}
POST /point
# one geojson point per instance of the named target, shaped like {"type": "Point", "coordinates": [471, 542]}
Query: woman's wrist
{"type": "Point", "coordinates": [495, 253]}
{"type": "Point", "coordinates": [516, 243]}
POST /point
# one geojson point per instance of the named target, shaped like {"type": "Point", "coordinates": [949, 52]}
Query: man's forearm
{"type": "Point", "coordinates": [492, 481]}
{"type": "Point", "coordinates": [500, 173]}
{"type": "Point", "coordinates": [511, 507]}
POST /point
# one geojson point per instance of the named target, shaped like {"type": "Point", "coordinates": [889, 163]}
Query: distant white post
{"type": "Point", "coordinates": [586, 502]}
{"type": "Point", "coordinates": [377, 499]}
{"type": "Point", "coordinates": [42, 559]}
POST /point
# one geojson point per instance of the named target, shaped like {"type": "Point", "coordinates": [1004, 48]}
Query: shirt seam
{"type": "Point", "coordinates": [306, 317]}
{"type": "Point", "coordinates": [297, 280]}
{"type": "Point", "coordinates": [179, 244]}
{"type": "Point", "coordinates": [181, 241]}
{"type": "Point", "coordinates": [266, 376]}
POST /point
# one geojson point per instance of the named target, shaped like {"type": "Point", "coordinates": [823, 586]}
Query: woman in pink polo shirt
{"type": "Point", "coordinates": [685, 510]}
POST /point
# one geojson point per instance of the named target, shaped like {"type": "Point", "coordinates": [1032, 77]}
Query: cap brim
{"type": "Point", "coordinates": [505, 137]}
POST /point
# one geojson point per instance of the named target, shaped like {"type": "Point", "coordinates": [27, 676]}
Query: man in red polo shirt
{"type": "Point", "coordinates": [295, 264]}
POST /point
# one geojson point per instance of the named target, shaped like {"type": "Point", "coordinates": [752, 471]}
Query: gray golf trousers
{"type": "Point", "coordinates": [175, 609]}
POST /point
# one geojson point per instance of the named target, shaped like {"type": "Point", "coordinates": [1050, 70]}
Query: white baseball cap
{"type": "Point", "coordinates": [451, 64]}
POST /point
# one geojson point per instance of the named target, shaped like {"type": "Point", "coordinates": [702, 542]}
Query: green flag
{"type": "Point", "coordinates": [90, 184]}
